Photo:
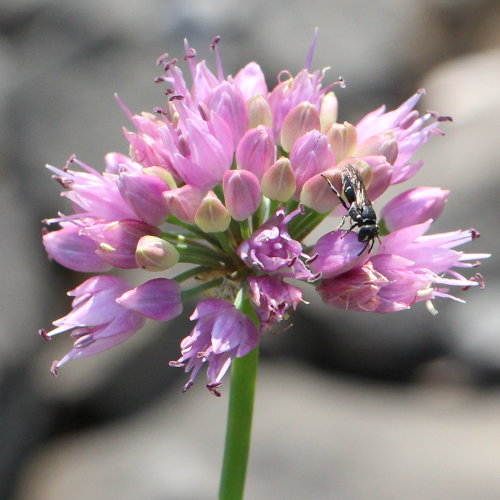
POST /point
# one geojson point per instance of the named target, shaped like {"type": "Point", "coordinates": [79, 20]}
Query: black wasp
{"type": "Point", "coordinates": [360, 208]}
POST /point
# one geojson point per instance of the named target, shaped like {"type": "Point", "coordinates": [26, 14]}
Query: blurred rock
{"type": "Point", "coordinates": [314, 437]}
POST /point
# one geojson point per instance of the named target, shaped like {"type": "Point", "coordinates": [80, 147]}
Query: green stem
{"type": "Point", "coordinates": [245, 228]}
{"type": "Point", "coordinates": [239, 415]}
{"type": "Point", "coordinates": [191, 257]}
{"type": "Point", "coordinates": [239, 426]}
{"type": "Point", "coordinates": [194, 271]}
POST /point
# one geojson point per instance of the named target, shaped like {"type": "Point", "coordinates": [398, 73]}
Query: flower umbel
{"type": "Point", "coordinates": [229, 177]}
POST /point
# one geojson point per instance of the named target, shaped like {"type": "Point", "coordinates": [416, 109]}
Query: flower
{"type": "Point", "coordinates": [229, 177]}
{"type": "Point", "coordinates": [107, 311]}
{"type": "Point", "coordinates": [221, 333]}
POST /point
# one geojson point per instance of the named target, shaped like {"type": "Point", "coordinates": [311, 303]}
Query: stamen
{"type": "Point", "coordinates": [213, 388]}
{"type": "Point", "coordinates": [161, 59]}
{"type": "Point", "coordinates": [183, 145]}
{"type": "Point", "coordinates": [54, 368]}
{"type": "Point", "coordinates": [190, 58]}
{"type": "Point", "coordinates": [69, 161]}
{"type": "Point", "coordinates": [218, 62]}
{"type": "Point", "coordinates": [175, 364]}
{"type": "Point", "coordinates": [161, 79]}
{"type": "Point", "coordinates": [312, 258]}
{"type": "Point", "coordinates": [160, 111]}
{"type": "Point", "coordinates": [478, 278]}
{"type": "Point", "coordinates": [43, 333]}
{"type": "Point", "coordinates": [474, 234]}
{"type": "Point", "coordinates": [170, 63]}
{"type": "Point", "coordinates": [204, 113]}
{"type": "Point", "coordinates": [188, 386]}
{"type": "Point", "coordinates": [315, 277]}
{"type": "Point", "coordinates": [125, 109]}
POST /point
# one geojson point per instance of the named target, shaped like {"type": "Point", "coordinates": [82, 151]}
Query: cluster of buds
{"type": "Point", "coordinates": [229, 177]}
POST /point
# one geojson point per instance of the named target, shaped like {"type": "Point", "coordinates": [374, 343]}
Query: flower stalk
{"type": "Point", "coordinates": [239, 417]}
{"type": "Point", "coordinates": [239, 426]}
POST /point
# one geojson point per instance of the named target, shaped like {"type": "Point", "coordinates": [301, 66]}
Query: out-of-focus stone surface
{"type": "Point", "coordinates": [314, 437]}
{"type": "Point", "coordinates": [60, 63]}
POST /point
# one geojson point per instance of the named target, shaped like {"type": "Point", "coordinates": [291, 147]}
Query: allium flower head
{"type": "Point", "coordinates": [229, 176]}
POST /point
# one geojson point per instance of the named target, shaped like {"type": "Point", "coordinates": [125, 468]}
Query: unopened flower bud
{"type": "Point", "coordinates": [163, 174]}
{"type": "Point", "coordinates": [241, 193]}
{"type": "Point", "coordinates": [300, 120]}
{"type": "Point", "coordinates": [256, 150]}
{"type": "Point", "coordinates": [380, 145]}
{"type": "Point", "coordinates": [259, 112]}
{"type": "Point", "coordinates": [155, 254]}
{"type": "Point", "coordinates": [363, 167]}
{"type": "Point", "coordinates": [212, 216]}
{"type": "Point", "coordinates": [317, 193]}
{"type": "Point", "coordinates": [310, 155]}
{"type": "Point", "coordinates": [413, 207]}
{"type": "Point", "coordinates": [278, 183]}
{"type": "Point", "coordinates": [328, 112]}
{"type": "Point", "coordinates": [342, 139]}
{"type": "Point", "coordinates": [227, 101]}
{"type": "Point", "coordinates": [183, 202]}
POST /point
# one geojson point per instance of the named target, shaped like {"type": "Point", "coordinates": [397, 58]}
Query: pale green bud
{"type": "Point", "coordinates": [278, 182]}
{"type": "Point", "coordinates": [342, 139]}
{"type": "Point", "coordinates": [328, 112]}
{"type": "Point", "coordinates": [155, 254]}
{"type": "Point", "coordinates": [212, 216]}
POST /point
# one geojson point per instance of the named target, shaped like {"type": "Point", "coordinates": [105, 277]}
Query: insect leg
{"type": "Point", "coordinates": [332, 187]}
{"type": "Point", "coordinates": [356, 224]}
{"type": "Point", "coordinates": [344, 217]}
{"type": "Point", "coordinates": [364, 248]}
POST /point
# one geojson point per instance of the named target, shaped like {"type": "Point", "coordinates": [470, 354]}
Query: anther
{"type": "Point", "coordinates": [43, 333]}
{"type": "Point", "coordinates": [474, 234]}
{"type": "Point", "coordinates": [213, 388]}
{"type": "Point", "coordinates": [160, 79]}
{"type": "Point", "coordinates": [190, 54]}
{"type": "Point", "coordinates": [188, 386]}
{"type": "Point", "coordinates": [204, 113]}
{"type": "Point", "coordinates": [175, 364]}
{"type": "Point", "coordinates": [314, 277]}
{"type": "Point", "coordinates": [160, 60]}
{"type": "Point", "coordinates": [184, 149]}
{"type": "Point", "coordinates": [214, 42]}
{"type": "Point", "coordinates": [312, 258]}
{"type": "Point", "coordinates": [54, 368]}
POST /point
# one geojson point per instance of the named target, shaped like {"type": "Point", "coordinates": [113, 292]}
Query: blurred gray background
{"type": "Point", "coordinates": [349, 406]}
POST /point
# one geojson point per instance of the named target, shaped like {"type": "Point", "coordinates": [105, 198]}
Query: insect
{"type": "Point", "coordinates": [360, 208]}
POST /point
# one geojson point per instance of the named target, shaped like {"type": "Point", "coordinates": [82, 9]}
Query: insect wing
{"type": "Point", "coordinates": [354, 187]}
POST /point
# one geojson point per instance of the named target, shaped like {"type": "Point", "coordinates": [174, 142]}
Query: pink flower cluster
{"type": "Point", "coordinates": [229, 177]}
